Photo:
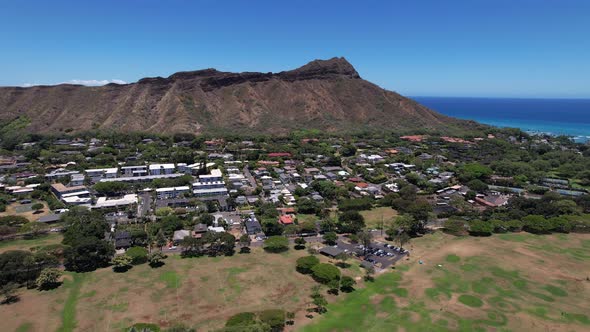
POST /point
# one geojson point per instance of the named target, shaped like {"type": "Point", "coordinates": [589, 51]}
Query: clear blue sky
{"type": "Point", "coordinates": [536, 48]}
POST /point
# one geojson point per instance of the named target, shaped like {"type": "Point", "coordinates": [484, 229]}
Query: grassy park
{"type": "Point", "coordinates": [518, 282]}
{"type": "Point", "coordinates": [504, 282]}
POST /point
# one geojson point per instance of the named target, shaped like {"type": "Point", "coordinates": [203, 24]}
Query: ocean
{"type": "Point", "coordinates": [569, 117]}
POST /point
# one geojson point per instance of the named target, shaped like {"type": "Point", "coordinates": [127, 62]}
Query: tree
{"type": "Point", "coordinates": [276, 243]}
{"type": "Point", "coordinates": [324, 273]}
{"type": "Point", "coordinates": [365, 238]}
{"type": "Point", "coordinates": [49, 278]}
{"type": "Point", "coordinates": [82, 223]}
{"type": "Point", "coordinates": [347, 284]}
{"type": "Point", "coordinates": [342, 258]}
{"type": "Point", "coordinates": [9, 293]}
{"type": "Point", "coordinates": [156, 258]}
{"type": "Point", "coordinates": [307, 206]}
{"type": "Point", "coordinates": [138, 255]}
{"type": "Point", "coordinates": [305, 264]}
{"type": "Point", "coordinates": [121, 263]}
{"type": "Point", "coordinates": [245, 240]}
{"type": "Point", "coordinates": [110, 188]}
{"type": "Point", "coordinates": [369, 272]}
{"type": "Point", "coordinates": [161, 239]}
{"type": "Point", "coordinates": [330, 238]}
{"type": "Point", "coordinates": [300, 243]}
{"type": "Point", "coordinates": [88, 254]}
{"type": "Point", "coordinates": [402, 238]}
{"type": "Point", "coordinates": [207, 219]}
{"type": "Point", "coordinates": [351, 222]}
{"type": "Point", "coordinates": [37, 207]}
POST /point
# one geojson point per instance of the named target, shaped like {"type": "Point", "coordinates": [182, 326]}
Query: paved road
{"type": "Point", "coordinates": [249, 176]}
{"type": "Point", "coordinates": [145, 203]}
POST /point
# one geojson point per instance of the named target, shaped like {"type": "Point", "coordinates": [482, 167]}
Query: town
{"type": "Point", "coordinates": [121, 199]}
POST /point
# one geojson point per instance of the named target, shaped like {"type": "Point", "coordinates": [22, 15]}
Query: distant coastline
{"type": "Point", "coordinates": [569, 117]}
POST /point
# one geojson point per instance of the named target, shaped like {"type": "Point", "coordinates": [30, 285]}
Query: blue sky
{"type": "Point", "coordinates": [513, 48]}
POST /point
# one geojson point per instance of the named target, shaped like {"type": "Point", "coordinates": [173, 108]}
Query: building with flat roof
{"type": "Point", "coordinates": [159, 169]}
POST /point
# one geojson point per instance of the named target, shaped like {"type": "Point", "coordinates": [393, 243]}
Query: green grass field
{"type": "Point", "coordinates": [28, 244]}
{"type": "Point", "coordinates": [374, 217]}
{"type": "Point", "coordinates": [512, 282]}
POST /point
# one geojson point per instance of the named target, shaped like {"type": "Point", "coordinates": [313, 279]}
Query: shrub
{"type": "Point", "coordinates": [347, 284]}
{"type": "Point", "coordinates": [306, 264]}
{"type": "Point", "coordinates": [275, 318]}
{"type": "Point", "coordinates": [49, 278]}
{"type": "Point", "coordinates": [139, 255]}
{"type": "Point", "coordinates": [324, 273]}
{"type": "Point", "coordinates": [241, 319]}
{"type": "Point", "coordinates": [480, 228]}
{"type": "Point", "coordinates": [276, 243]}
{"type": "Point", "coordinates": [454, 227]}
{"type": "Point", "coordinates": [537, 224]}
{"type": "Point", "coordinates": [144, 327]}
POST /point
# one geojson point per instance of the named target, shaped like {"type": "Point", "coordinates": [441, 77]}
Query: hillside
{"type": "Point", "coordinates": [323, 94]}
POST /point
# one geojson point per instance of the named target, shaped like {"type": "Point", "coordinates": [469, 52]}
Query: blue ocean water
{"type": "Point", "coordinates": [554, 116]}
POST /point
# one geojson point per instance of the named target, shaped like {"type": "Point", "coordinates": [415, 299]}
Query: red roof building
{"type": "Point", "coordinates": [414, 138]}
{"type": "Point", "coordinates": [286, 219]}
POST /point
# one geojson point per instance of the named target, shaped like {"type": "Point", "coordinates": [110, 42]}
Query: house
{"type": "Point", "coordinates": [122, 240]}
{"type": "Point", "coordinates": [179, 235]}
{"type": "Point", "coordinates": [252, 226]}
{"type": "Point", "coordinates": [199, 230]}
{"type": "Point", "coordinates": [286, 219]}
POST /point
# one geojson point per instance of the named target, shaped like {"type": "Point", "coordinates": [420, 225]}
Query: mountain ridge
{"type": "Point", "coordinates": [328, 95]}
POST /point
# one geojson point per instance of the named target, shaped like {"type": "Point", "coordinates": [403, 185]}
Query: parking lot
{"type": "Point", "coordinates": [377, 253]}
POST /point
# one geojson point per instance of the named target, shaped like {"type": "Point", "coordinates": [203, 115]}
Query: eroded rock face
{"type": "Point", "coordinates": [323, 94]}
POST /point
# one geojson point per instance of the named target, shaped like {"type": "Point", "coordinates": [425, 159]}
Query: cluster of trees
{"type": "Point", "coordinates": [137, 256]}
{"type": "Point", "coordinates": [536, 224]}
{"type": "Point", "coordinates": [86, 248]}
{"type": "Point", "coordinates": [324, 273]}
{"type": "Point", "coordinates": [23, 268]}
{"type": "Point", "coordinates": [210, 244]}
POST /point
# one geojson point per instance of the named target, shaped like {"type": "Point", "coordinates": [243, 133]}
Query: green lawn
{"type": "Point", "coordinates": [69, 310]}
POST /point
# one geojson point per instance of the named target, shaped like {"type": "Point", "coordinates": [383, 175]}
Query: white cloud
{"type": "Point", "coordinates": [82, 82]}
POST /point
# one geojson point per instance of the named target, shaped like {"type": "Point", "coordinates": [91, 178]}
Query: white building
{"type": "Point", "coordinates": [172, 192]}
{"type": "Point", "coordinates": [130, 171]}
{"type": "Point", "coordinates": [159, 169]}
{"type": "Point", "coordinates": [97, 174]}
{"type": "Point", "coordinates": [104, 202]}
{"type": "Point", "coordinates": [210, 185]}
